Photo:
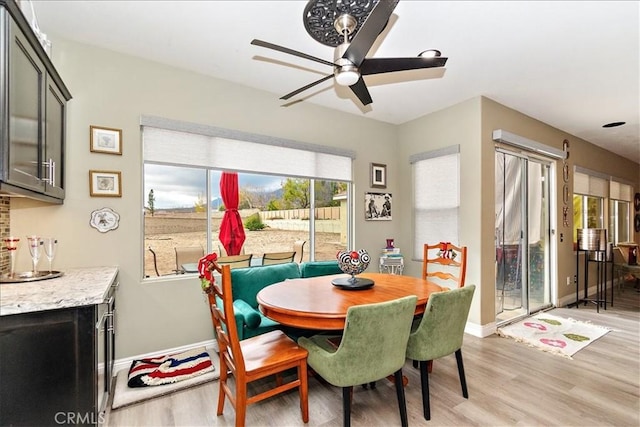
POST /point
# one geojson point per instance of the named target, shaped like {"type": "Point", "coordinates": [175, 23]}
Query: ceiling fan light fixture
{"type": "Point", "coordinates": [430, 53]}
{"type": "Point", "coordinates": [347, 75]}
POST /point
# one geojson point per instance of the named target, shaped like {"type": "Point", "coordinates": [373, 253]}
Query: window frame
{"type": "Point", "coordinates": [320, 164]}
{"type": "Point", "coordinates": [608, 192]}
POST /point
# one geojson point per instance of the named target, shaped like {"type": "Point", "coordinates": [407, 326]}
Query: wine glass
{"type": "Point", "coordinates": [50, 244]}
{"type": "Point", "coordinates": [11, 243]}
{"type": "Point", "coordinates": [35, 243]}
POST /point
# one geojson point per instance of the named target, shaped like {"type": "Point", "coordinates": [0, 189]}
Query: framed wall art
{"type": "Point", "coordinates": [378, 175]}
{"type": "Point", "coordinates": [105, 183]}
{"type": "Point", "coordinates": [377, 206]}
{"type": "Point", "coordinates": [105, 140]}
{"type": "Point", "coordinates": [104, 219]}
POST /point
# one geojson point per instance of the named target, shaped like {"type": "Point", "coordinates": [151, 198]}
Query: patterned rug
{"type": "Point", "coordinates": [557, 335]}
{"type": "Point", "coordinates": [186, 369]}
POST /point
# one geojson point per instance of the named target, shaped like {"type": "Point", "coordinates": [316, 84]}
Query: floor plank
{"type": "Point", "coordinates": [510, 384]}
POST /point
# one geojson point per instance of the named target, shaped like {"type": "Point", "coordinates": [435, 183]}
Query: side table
{"type": "Point", "coordinates": [391, 264]}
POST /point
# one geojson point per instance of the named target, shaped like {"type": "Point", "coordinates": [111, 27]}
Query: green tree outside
{"type": "Point", "coordinates": [151, 202]}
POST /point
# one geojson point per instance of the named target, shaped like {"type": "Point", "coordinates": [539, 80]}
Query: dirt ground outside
{"type": "Point", "coordinates": [163, 233]}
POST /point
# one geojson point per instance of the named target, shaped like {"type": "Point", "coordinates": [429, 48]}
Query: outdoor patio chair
{"type": "Point", "coordinates": [187, 255]}
{"type": "Point", "coordinates": [277, 258]}
{"type": "Point", "coordinates": [236, 261]}
{"type": "Point", "coordinates": [298, 248]}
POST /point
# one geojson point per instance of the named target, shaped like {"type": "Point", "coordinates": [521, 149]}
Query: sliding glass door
{"type": "Point", "coordinates": [523, 235]}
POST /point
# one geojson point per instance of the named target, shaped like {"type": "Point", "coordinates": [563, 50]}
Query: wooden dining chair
{"type": "Point", "coordinates": [446, 265]}
{"type": "Point", "coordinates": [445, 262]}
{"type": "Point", "coordinates": [440, 333]}
{"type": "Point", "coordinates": [277, 257]}
{"type": "Point", "coordinates": [254, 358]}
{"type": "Point", "coordinates": [236, 261]}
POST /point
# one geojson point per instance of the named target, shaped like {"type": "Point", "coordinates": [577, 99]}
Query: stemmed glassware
{"type": "Point", "coordinates": [11, 243]}
{"type": "Point", "coordinates": [50, 244]}
{"type": "Point", "coordinates": [35, 248]}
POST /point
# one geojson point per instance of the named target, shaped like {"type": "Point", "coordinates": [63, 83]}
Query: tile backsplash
{"type": "Point", "coordinates": [5, 231]}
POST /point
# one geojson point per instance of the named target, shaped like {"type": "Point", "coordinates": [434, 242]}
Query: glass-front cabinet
{"type": "Point", "coordinates": [32, 113]}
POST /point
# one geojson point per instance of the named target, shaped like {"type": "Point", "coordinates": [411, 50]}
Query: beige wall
{"type": "Point", "coordinates": [113, 90]}
{"type": "Point", "coordinates": [457, 125]}
{"type": "Point", "coordinates": [581, 153]}
{"type": "Point", "coordinates": [470, 124]}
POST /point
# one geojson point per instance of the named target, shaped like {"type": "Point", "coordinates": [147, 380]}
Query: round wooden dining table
{"type": "Point", "coordinates": [314, 303]}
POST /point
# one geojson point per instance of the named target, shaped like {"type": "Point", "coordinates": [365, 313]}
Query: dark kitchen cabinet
{"type": "Point", "coordinates": [33, 109]}
{"type": "Point", "coordinates": [56, 366]}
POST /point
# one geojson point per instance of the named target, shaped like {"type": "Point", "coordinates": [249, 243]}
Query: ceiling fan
{"type": "Point", "coordinates": [331, 22]}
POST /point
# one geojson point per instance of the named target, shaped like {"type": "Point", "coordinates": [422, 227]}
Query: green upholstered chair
{"type": "Point", "coordinates": [319, 268]}
{"type": "Point", "coordinates": [372, 347]}
{"type": "Point", "coordinates": [439, 333]}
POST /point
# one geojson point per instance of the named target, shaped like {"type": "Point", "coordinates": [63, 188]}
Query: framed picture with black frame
{"type": "Point", "coordinates": [378, 175]}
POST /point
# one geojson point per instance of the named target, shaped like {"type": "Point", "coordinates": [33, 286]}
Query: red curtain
{"type": "Point", "coordinates": [231, 230]}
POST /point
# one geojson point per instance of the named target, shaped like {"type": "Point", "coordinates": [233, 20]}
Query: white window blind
{"type": "Point", "coordinates": [179, 143]}
{"type": "Point", "coordinates": [620, 191]}
{"type": "Point", "coordinates": [590, 185]}
{"type": "Point", "coordinates": [436, 197]}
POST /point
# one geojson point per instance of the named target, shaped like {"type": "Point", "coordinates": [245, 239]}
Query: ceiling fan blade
{"type": "Point", "coordinates": [310, 85]}
{"type": "Point", "coordinates": [361, 91]}
{"type": "Point", "coordinates": [369, 31]}
{"type": "Point", "coordinates": [388, 65]}
{"type": "Point", "coordinates": [268, 45]}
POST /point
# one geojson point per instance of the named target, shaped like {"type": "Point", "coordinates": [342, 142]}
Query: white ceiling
{"type": "Point", "coordinates": [571, 64]}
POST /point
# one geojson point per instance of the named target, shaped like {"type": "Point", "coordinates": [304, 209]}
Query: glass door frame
{"type": "Point", "coordinates": [550, 263]}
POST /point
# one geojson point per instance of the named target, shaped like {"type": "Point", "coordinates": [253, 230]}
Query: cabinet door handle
{"type": "Point", "coordinates": [50, 172]}
{"type": "Point", "coordinates": [112, 325]}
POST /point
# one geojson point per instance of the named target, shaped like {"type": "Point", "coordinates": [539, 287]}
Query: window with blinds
{"type": "Point", "coordinates": [299, 191]}
{"type": "Point", "coordinates": [601, 201]}
{"type": "Point", "coordinates": [436, 197]}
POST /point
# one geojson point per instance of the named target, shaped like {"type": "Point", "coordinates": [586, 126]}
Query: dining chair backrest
{"type": "Point", "coordinates": [236, 261]}
{"type": "Point", "coordinates": [187, 255]}
{"type": "Point", "coordinates": [277, 257]}
{"type": "Point", "coordinates": [268, 354]}
{"type": "Point", "coordinates": [225, 326]}
{"type": "Point", "coordinates": [372, 347]}
{"type": "Point", "coordinates": [441, 328]}
{"type": "Point", "coordinates": [374, 340]}
{"type": "Point", "coordinates": [222, 252]}
{"type": "Point", "coordinates": [618, 256]}
{"type": "Point", "coordinates": [439, 333]}
{"type": "Point", "coordinates": [298, 248]}
{"type": "Point", "coordinates": [445, 262]}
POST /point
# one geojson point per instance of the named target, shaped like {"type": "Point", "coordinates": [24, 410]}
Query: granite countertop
{"type": "Point", "coordinates": [76, 287]}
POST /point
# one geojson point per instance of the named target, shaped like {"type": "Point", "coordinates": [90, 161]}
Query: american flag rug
{"type": "Point", "coordinates": [123, 395]}
{"type": "Point", "coordinates": [169, 369]}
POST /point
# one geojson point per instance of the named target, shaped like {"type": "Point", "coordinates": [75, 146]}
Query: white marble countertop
{"type": "Point", "coordinates": [75, 288]}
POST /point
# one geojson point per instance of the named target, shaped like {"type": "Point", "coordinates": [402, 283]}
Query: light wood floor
{"type": "Point", "coordinates": [509, 384]}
